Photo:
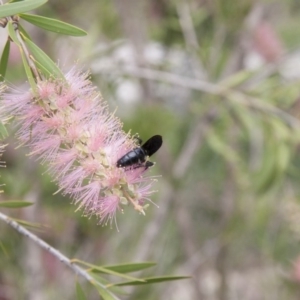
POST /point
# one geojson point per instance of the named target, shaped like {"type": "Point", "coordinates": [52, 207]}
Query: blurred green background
{"type": "Point", "coordinates": [220, 81]}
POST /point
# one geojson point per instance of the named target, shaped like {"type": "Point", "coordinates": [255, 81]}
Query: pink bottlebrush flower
{"type": "Point", "coordinates": [68, 126]}
{"type": "Point", "coordinates": [2, 163]}
{"type": "Point", "coordinates": [267, 43]}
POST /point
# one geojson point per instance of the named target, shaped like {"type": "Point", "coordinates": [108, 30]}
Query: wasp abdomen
{"type": "Point", "coordinates": [139, 155]}
{"type": "Point", "coordinates": [135, 156]}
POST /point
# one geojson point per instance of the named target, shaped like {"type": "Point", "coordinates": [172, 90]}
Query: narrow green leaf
{"type": "Point", "coordinates": [114, 289]}
{"type": "Point", "coordinates": [130, 267]}
{"type": "Point", "coordinates": [106, 271]}
{"type": "Point", "coordinates": [4, 250]}
{"type": "Point", "coordinates": [12, 33]}
{"type": "Point", "coordinates": [24, 32]}
{"type": "Point", "coordinates": [151, 280]}
{"type": "Point", "coordinates": [236, 79]}
{"type": "Point", "coordinates": [28, 71]}
{"type": "Point", "coordinates": [53, 25]}
{"type": "Point", "coordinates": [40, 56]}
{"type": "Point", "coordinates": [4, 59]}
{"type": "Point", "coordinates": [42, 68]}
{"type": "Point", "coordinates": [31, 225]}
{"type": "Point", "coordinates": [79, 292]}
{"type": "Point", "coordinates": [95, 268]}
{"type": "Point", "coordinates": [105, 294]}
{"type": "Point", "coordinates": [10, 9]}
{"type": "Point", "coordinates": [3, 131]}
{"type": "Point", "coordinates": [15, 204]}
{"type": "Point", "coordinates": [99, 279]}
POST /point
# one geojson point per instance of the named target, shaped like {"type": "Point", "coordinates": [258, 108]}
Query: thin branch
{"type": "Point", "coordinates": [256, 103]}
{"type": "Point", "coordinates": [58, 255]}
{"type": "Point", "coordinates": [185, 82]}
{"type": "Point", "coordinates": [203, 86]}
{"type": "Point", "coordinates": [27, 55]}
{"type": "Point", "coordinates": [24, 48]}
{"type": "Point", "coordinates": [190, 37]}
{"type": "Point", "coordinates": [187, 27]}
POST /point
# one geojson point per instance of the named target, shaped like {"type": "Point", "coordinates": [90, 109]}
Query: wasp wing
{"type": "Point", "coordinates": [152, 145]}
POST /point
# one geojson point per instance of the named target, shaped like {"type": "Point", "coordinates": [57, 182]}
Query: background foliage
{"type": "Point", "coordinates": [220, 81]}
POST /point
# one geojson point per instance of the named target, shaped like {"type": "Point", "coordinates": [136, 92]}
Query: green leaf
{"type": "Point", "coordinates": [4, 59]}
{"type": "Point", "coordinates": [3, 131]}
{"type": "Point", "coordinates": [236, 79]}
{"type": "Point", "coordinates": [24, 32]}
{"type": "Point", "coordinates": [2, 247]}
{"type": "Point", "coordinates": [29, 224]}
{"type": "Point", "coordinates": [28, 71]}
{"type": "Point", "coordinates": [53, 25]}
{"type": "Point", "coordinates": [79, 292]}
{"type": "Point", "coordinates": [219, 144]}
{"type": "Point", "coordinates": [105, 294]}
{"type": "Point", "coordinates": [265, 177]}
{"type": "Point", "coordinates": [10, 9]}
{"type": "Point", "coordinates": [14, 37]}
{"type": "Point", "coordinates": [151, 280]}
{"type": "Point", "coordinates": [115, 289]}
{"type": "Point", "coordinates": [284, 153]}
{"type": "Point", "coordinates": [42, 68]}
{"type": "Point", "coordinates": [130, 267]}
{"type": "Point", "coordinates": [15, 204]}
{"type": "Point", "coordinates": [27, 68]}
{"type": "Point", "coordinates": [12, 33]}
{"type": "Point", "coordinates": [98, 269]}
{"type": "Point", "coordinates": [41, 57]}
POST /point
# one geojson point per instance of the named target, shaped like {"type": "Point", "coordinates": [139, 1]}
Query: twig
{"type": "Point", "coordinates": [62, 258]}
{"type": "Point", "coordinates": [185, 82]}
{"type": "Point", "coordinates": [206, 87]}
{"type": "Point", "coordinates": [190, 37]}
{"type": "Point", "coordinates": [256, 103]}
{"type": "Point", "coordinates": [187, 27]}
{"type": "Point", "coordinates": [31, 64]}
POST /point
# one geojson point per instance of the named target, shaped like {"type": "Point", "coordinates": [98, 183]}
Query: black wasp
{"type": "Point", "coordinates": [138, 156]}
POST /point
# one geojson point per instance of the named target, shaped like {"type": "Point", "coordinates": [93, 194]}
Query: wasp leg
{"type": "Point", "coordinates": [138, 139]}
{"type": "Point", "coordinates": [148, 164]}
